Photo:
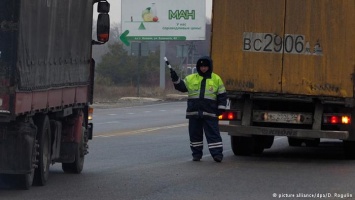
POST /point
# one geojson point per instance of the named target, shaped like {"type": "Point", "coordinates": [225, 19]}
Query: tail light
{"type": "Point", "coordinates": [103, 37]}
{"type": "Point", "coordinates": [103, 27]}
{"type": "Point", "coordinates": [230, 116]}
{"type": "Point", "coordinates": [90, 113]}
{"type": "Point", "coordinates": [4, 104]}
{"type": "Point", "coordinates": [336, 119]}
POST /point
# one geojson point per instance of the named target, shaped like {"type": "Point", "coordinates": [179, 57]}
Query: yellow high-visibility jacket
{"type": "Point", "coordinates": [207, 95]}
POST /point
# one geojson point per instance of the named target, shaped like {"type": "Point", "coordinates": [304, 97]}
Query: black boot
{"type": "Point", "coordinates": [218, 158]}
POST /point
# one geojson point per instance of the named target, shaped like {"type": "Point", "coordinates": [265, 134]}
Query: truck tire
{"type": "Point", "coordinates": [294, 142]}
{"type": "Point", "coordinates": [242, 146]}
{"type": "Point", "coordinates": [77, 166]}
{"type": "Point", "coordinates": [258, 149]}
{"type": "Point", "coordinates": [268, 141]}
{"type": "Point", "coordinates": [349, 149]}
{"type": "Point", "coordinates": [312, 142]}
{"type": "Point", "coordinates": [258, 144]}
{"type": "Point", "coordinates": [44, 150]}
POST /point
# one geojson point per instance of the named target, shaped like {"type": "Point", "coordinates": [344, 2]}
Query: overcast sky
{"type": "Point", "coordinates": [115, 10]}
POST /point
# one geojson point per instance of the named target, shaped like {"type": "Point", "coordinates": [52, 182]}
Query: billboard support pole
{"type": "Point", "coordinates": [162, 64]}
{"type": "Point", "coordinates": [139, 68]}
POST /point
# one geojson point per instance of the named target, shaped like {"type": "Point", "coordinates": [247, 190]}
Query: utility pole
{"type": "Point", "coordinates": [139, 49]}
{"type": "Point", "coordinates": [182, 53]}
{"type": "Point", "coordinates": [138, 67]}
{"type": "Point", "coordinates": [191, 51]}
{"type": "Point", "coordinates": [162, 64]}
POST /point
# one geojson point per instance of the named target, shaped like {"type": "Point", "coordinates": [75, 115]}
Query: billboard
{"type": "Point", "coordinates": [163, 20]}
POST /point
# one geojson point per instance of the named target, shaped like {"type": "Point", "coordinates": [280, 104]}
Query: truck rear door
{"type": "Point", "coordinates": [243, 49]}
{"type": "Point", "coordinates": [319, 43]}
{"type": "Point", "coordinates": [302, 47]}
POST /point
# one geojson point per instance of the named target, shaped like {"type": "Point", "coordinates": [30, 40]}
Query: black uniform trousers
{"type": "Point", "coordinates": [213, 137]}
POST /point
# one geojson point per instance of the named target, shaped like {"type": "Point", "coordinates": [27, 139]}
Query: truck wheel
{"type": "Point", "coordinates": [268, 141]}
{"type": "Point", "coordinates": [242, 146]}
{"type": "Point", "coordinates": [258, 149]}
{"type": "Point", "coordinates": [295, 142]}
{"type": "Point", "coordinates": [78, 165]}
{"type": "Point", "coordinates": [312, 143]}
{"type": "Point", "coordinates": [349, 149]}
{"type": "Point", "coordinates": [259, 144]}
{"type": "Point", "coordinates": [44, 150]}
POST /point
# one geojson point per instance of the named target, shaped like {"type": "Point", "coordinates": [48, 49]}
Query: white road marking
{"type": "Point", "coordinates": [142, 130]}
{"type": "Point", "coordinates": [111, 122]}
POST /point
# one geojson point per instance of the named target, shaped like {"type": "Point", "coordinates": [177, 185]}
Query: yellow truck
{"type": "Point", "coordinates": [289, 70]}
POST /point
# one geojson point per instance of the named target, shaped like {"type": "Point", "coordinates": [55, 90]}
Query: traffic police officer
{"type": "Point", "coordinates": [207, 99]}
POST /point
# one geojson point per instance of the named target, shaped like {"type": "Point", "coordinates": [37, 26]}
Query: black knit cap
{"type": "Point", "coordinates": [204, 62]}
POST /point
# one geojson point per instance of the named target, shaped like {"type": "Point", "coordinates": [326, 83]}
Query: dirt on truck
{"type": "Point", "coordinates": [46, 85]}
{"type": "Point", "coordinates": [289, 70]}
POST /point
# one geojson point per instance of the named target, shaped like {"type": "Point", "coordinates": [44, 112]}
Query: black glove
{"type": "Point", "coordinates": [174, 76]}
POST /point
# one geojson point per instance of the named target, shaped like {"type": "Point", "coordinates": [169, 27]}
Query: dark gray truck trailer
{"type": "Point", "coordinates": [46, 85]}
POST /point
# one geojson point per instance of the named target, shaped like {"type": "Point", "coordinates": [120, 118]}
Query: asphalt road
{"type": "Point", "coordinates": [143, 153]}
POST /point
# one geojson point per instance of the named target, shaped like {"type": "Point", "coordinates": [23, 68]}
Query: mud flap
{"type": "Point", "coordinates": [67, 152]}
{"type": "Point", "coordinates": [56, 130]}
{"type": "Point", "coordinates": [17, 143]}
{"type": "Point", "coordinates": [90, 130]}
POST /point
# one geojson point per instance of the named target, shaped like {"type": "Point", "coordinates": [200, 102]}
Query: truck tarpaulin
{"type": "Point", "coordinates": [58, 25]}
